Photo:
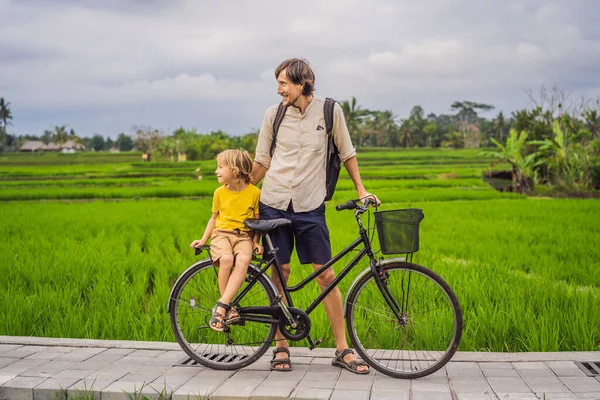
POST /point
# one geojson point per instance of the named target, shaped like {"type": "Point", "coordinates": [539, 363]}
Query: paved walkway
{"type": "Point", "coordinates": [47, 368]}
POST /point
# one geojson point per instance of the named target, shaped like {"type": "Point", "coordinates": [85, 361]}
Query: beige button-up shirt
{"type": "Point", "coordinates": [297, 170]}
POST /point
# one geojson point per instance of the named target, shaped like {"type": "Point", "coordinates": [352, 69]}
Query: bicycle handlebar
{"type": "Point", "coordinates": [349, 205]}
{"type": "Point", "coordinates": [354, 204]}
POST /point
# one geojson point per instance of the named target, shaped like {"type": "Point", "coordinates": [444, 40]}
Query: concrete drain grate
{"type": "Point", "coordinates": [590, 368]}
{"type": "Point", "coordinates": [221, 358]}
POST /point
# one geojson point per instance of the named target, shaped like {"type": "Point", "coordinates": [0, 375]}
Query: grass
{"type": "Point", "coordinates": [525, 270]}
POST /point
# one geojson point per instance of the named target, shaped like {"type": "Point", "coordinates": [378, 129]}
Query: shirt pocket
{"type": "Point", "coordinates": [318, 137]}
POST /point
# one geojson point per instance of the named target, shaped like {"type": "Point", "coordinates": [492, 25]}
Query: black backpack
{"type": "Point", "coordinates": [333, 159]}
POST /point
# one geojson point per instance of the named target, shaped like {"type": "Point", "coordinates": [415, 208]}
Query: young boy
{"type": "Point", "coordinates": [231, 242]}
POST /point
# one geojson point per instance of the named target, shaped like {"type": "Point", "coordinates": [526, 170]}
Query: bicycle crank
{"type": "Point", "coordinates": [296, 329]}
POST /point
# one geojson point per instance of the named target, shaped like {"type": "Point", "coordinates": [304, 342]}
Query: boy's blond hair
{"type": "Point", "coordinates": [239, 161]}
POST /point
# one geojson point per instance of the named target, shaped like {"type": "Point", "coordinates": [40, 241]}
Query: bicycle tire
{"type": "Point", "coordinates": [190, 308]}
{"type": "Point", "coordinates": [426, 335]}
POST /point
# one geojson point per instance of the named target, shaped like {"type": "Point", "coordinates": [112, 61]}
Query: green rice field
{"type": "Point", "coordinates": [92, 243]}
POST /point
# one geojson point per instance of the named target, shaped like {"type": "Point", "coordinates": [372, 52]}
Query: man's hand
{"type": "Point", "coordinates": [197, 243]}
{"type": "Point", "coordinates": [363, 195]}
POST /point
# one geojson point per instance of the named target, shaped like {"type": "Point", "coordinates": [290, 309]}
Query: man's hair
{"type": "Point", "coordinates": [239, 161]}
{"type": "Point", "coordinates": [298, 72]}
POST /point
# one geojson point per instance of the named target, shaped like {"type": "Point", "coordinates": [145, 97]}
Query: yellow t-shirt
{"type": "Point", "coordinates": [235, 207]}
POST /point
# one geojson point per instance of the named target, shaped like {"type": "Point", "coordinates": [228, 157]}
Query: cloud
{"type": "Point", "coordinates": [113, 64]}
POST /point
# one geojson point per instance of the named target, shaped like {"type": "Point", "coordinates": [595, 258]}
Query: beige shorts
{"type": "Point", "coordinates": [230, 242]}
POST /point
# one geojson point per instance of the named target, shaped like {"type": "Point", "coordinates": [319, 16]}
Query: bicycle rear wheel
{"type": "Point", "coordinates": [190, 308]}
{"type": "Point", "coordinates": [418, 340]}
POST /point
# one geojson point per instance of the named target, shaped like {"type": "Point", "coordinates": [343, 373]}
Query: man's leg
{"type": "Point", "coordinates": [335, 311]}
{"type": "Point", "coordinates": [280, 340]}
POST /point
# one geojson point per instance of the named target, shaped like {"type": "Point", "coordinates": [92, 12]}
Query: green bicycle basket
{"type": "Point", "coordinates": [398, 230]}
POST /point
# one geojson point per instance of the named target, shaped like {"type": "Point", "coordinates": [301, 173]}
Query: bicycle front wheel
{"type": "Point", "coordinates": [413, 333]}
{"type": "Point", "coordinates": [190, 307]}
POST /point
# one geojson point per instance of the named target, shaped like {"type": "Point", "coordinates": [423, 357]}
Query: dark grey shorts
{"type": "Point", "coordinates": [308, 231]}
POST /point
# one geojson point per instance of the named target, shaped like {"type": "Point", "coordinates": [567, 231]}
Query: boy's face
{"type": "Point", "coordinates": [224, 174]}
{"type": "Point", "coordinates": [289, 92]}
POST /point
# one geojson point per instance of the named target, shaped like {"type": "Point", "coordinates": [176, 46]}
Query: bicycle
{"type": "Point", "coordinates": [403, 319]}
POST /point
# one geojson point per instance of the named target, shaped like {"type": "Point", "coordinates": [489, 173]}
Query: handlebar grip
{"type": "Point", "coordinates": [349, 205]}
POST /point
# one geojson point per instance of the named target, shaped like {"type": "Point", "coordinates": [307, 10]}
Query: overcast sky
{"type": "Point", "coordinates": [103, 66]}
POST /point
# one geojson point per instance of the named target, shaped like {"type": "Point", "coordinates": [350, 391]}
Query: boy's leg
{"type": "Point", "coordinates": [222, 255]}
{"type": "Point", "coordinates": [243, 254]}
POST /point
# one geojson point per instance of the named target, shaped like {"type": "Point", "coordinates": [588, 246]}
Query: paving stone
{"type": "Point", "coordinates": [80, 354]}
{"type": "Point", "coordinates": [508, 385]}
{"type": "Point", "coordinates": [20, 388]}
{"type": "Point", "coordinates": [358, 384]}
{"type": "Point", "coordinates": [386, 383]}
{"type": "Point", "coordinates": [103, 358]}
{"type": "Point", "coordinates": [475, 396]}
{"type": "Point", "coordinates": [318, 383]}
{"type": "Point", "coordinates": [194, 391]}
{"type": "Point", "coordinates": [127, 390]}
{"type": "Point", "coordinates": [470, 385]}
{"type": "Point", "coordinates": [310, 394]}
{"type": "Point", "coordinates": [529, 365]}
{"type": "Point", "coordinates": [270, 393]}
{"type": "Point", "coordinates": [232, 391]}
{"type": "Point", "coordinates": [500, 372]}
{"type": "Point", "coordinates": [119, 352]}
{"type": "Point", "coordinates": [4, 348]}
{"type": "Point", "coordinates": [177, 376]}
{"type": "Point", "coordinates": [49, 369]}
{"type": "Point", "coordinates": [430, 384]}
{"type": "Point", "coordinates": [24, 351]}
{"type": "Point", "coordinates": [4, 361]}
{"type": "Point", "coordinates": [388, 395]}
{"type": "Point", "coordinates": [145, 377]}
{"type": "Point", "coordinates": [516, 396]}
{"type": "Point", "coordinates": [582, 384]}
{"type": "Point", "coordinates": [466, 369]}
{"type": "Point", "coordinates": [590, 395]}
{"type": "Point", "coordinates": [565, 369]}
{"type": "Point", "coordinates": [27, 363]}
{"type": "Point", "coordinates": [147, 353]}
{"type": "Point", "coordinates": [6, 378]}
{"type": "Point", "coordinates": [495, 365]}
{"type": "Point", "coordinates": [536, 373]}
{"type": "Point", "coordinates": [12, 370]}
{"type": "Point", "coordinates": [432, 395]}
{"type": "Point", "coordinates": [546, 384]}
{"type": "Point", "coordinates": [275, 382]}
{"type": "Point", "coordinates": [556, 396]}
{"type": "Point", "coordinates": [111, 375]}
{"type": "Point", "coordinates": [88, 388]}
{"type": "Point", "coordinates": [326, 376]}
{"type": "Point", "coordinates": [53, 387]}
{"type": "Point", "coordinates": [341, 394]}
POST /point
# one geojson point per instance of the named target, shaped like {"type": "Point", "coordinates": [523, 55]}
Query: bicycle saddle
{"type": "Point", "coordinates": [265, 225]}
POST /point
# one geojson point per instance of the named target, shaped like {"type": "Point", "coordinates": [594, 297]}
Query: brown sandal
{"type": "Point", "coordinates": [281, 361]}
{"type": "Point", "coordinates": [351, 366]}
{"type": "Point", "coordinates": [218, 318]}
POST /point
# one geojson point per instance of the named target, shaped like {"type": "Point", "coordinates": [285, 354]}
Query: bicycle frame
{"type": "Point", "coordinates": [287, 290]}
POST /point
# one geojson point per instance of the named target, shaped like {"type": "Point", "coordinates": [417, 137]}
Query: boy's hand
{"type": "Point", "coordinates": [258, 249]}
{"type": "Point", "coordinates": [197, 243]}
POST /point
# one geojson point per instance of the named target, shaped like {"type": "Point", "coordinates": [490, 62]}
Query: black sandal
{"type": "Point", "coordinates": [351, 366]}
{"type": "Point", "coordinates": [281, 361]}
{"type": "Point", "coordinates": [218, 318]}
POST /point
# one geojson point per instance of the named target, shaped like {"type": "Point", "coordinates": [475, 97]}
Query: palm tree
{"type": "Point", "coordinates": [354, 116]}
{"type": "Point", "coordinates": [60, 134]}
{"type": "Point", "coordinates": [5, 114]}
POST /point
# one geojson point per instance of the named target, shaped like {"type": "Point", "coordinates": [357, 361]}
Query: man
{"type": "Point", "coordinates": [294, 188]}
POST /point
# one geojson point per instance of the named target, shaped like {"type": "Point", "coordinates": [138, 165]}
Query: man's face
{"type": "Point", "coordinates": [289, 92]}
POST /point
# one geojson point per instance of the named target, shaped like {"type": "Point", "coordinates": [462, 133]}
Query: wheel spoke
{"type": "Point", "coordinates": [424, 335]}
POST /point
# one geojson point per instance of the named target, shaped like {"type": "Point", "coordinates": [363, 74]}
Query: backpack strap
{"type": "Point", "coordinates": [278, 118]}
{"type": "Point", "coordinates": [328, 111]}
